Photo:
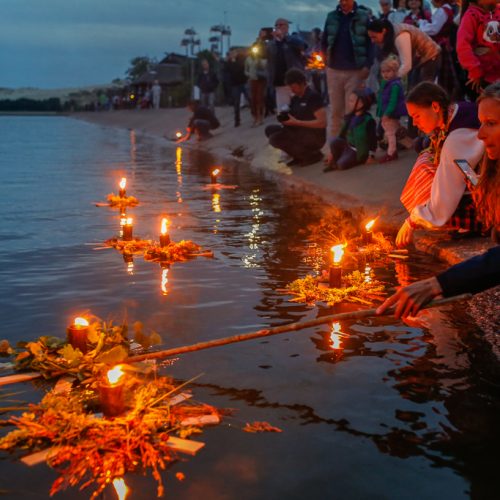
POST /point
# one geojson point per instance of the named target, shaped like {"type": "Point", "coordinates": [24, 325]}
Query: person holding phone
{"type": "Point", "coordinates": [483, 271]}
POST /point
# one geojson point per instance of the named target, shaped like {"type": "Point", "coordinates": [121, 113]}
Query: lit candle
{"type": "Point", "coordinates": [213, 176]}
{"type": "Point", "coordinates": [77, 334]}
{"type": "Point", "coordinates": [164, 236]}
{"type": "Point", "coordinates": [335, 279]}
{"type": "Point", "coordinates": [111, 393]}
{"type": "Point", "coordinates": [318, 58]}
{"type": "Point", "coordinates": [123, 185]}
{"type": "Point", "coordinates": [367, 235]}
{"type": "Point", "coordinates": [128, 229]}
{"type": "Point", "coordinates": [178, 134]}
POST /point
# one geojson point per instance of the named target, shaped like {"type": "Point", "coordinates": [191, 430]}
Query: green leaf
{"type": "Point", "coordinates": [115, 355]}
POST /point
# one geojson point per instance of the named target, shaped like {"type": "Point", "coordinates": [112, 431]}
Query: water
{"type": "Point", "coordinates": [397, 412]}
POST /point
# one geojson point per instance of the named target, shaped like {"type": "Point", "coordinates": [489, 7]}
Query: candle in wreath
{"type": "Point", "coordinates": [123, 185]}
{"type": "Point", "coordinates": [178, 134]}
{"type": "Point", "coordinates": [111, 393]}
{"type": "Point", "coordinates": [164, 236]}
{"type": "Point", "coordinates": [213, 175]}
{"type": "Point", "coordinates": [335, 274]}
{"type": "Point", "coordinates": [128, 229]}
{"type": "Point", "coordinates": [368, 235]}
{"type": "Point", "coordinates": [77, 334]}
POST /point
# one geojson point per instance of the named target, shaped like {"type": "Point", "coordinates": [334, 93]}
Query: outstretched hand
{"type": "Point", "coordinates": [405, 235]}
{"type": "Point", "coordinates": [410, 299]}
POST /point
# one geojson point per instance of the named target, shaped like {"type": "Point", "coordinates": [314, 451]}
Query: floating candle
{"type": "Point", "coordinates": [123, 185]}
{"type": "Point", "coordinates": [128, 229]}
{"type": "Point", "coordinates": [164, 236]}
{"type": "Point", "coordinates": [77, 334]}
{"type": "Point", "coordinates": [178, 134]}
{"type": "Point", "coordinates": [111, 392]}
{"type": "Point", "coordinates": [213, 175]}
{"type": "Point", "coordinates": [367, 235]}
{"type": "Point", "coordinates": [335, 275]}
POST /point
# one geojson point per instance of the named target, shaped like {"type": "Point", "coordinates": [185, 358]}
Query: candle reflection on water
{"type": "Point", "coordinates": [164, 280]}
{"type": "Point", "coordinates": [250, 260]}
{"type": "Point", "coordinates": [336, 337]}
{"type": "Point", "coordinates": [121, 488]}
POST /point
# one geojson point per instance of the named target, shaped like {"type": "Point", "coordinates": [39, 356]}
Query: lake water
{"type": "Point", "coordinates": [397, 412]}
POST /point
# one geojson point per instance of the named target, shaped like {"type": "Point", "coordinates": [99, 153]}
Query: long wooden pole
{"type": "Point", "coordinates": [267, 332]}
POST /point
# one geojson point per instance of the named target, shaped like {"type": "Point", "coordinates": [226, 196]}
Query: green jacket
{"type": "Point", "coordinates": [359, 33]}
{"type": "Point", "coordinates": [360, 133]}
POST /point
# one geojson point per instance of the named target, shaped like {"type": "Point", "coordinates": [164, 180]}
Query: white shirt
{"type": "Point", "coordinates": [437, 22]}
{"type": "Point", "coordinates": [449, 185]}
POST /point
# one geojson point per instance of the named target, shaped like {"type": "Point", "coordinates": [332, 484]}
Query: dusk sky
{"type": "Point", "coordinates": [71, 43]}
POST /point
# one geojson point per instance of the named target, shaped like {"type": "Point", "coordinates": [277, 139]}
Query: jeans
{"type": "Point", "coordinates": [344, 156]}
{"type": "Point", "coordinates": [207, 99]}
{"type": "Point", "coordinates": [237, 91]}
{"type": "Point", "coordinates": [297, 142]}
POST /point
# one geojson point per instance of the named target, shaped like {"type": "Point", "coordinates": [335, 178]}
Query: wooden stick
{"type": "Point", "coordinates": [268, 332]}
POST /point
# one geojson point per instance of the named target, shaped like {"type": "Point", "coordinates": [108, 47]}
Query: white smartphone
{"type": "Point", "coordinates": [468, 172]}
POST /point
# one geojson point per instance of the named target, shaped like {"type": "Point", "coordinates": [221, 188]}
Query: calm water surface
{"type": "Point", "coordinates": [397, 412]}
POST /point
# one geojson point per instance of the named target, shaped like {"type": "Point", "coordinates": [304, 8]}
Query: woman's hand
{"type": "Point", "coordinates": [410, 299]}
{"type": "Point", "coordinates": [405, 235]}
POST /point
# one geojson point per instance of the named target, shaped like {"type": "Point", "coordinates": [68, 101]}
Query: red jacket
{"type": "Point", "coordinates": [478, 43]}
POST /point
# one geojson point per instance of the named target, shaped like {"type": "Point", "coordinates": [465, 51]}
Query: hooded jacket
{"type": "Point", "coordinates": [478, 43]}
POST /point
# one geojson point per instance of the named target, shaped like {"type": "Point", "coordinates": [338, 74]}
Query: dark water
{"type": "Point", "coordinates": [396, 412]}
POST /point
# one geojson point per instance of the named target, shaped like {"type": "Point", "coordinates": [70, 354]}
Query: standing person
{"type": "Point", "coordinates": [357, 139]}
{"type": "Point", "coordinates": [386, 11]}
{"type": "Point", "coordinates": [400, 11]}
{"type": "Point", "coordinates": [207, 82]}
{"type": "Point", "coordinates": [390, 105]}
{"type": "Point", "coordinates": [441, 198]}
{"type": "Point", "coordinates": [349, 55]}
{"type": "Point", "coordinates": [235, 66]}
{"type": "Point", "coordinates": [156, 92]}
{"type": "Point", "coordinates": [284, 52]}
{"type": "Point", "coordinates": [256, 71]}
{"type": "Point", "coordinates": [416, 13]}
{"type": "Point", "coordinates": [478, 42]}
{"type": "Point", "coordinates": [302, 132]}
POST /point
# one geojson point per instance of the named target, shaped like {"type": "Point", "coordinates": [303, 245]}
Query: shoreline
{"type": "Point", "coordinates": [372, 188]}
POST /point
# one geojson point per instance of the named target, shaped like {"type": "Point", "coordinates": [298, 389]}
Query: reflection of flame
{"type": "Point", "coordinates": [338, 253]}
{"type": "Point", "coordinates": [130, 268]}
{"type": "Point", "coordinates": [115, 374]}
{"type": "Point", "coordinates": [216, 172]}
{"type": "Point", "coordinates": [80, 322]}
{"type": "Point", "coordinates": [369, 225]}
{"type": "Point", "coordinates": [368, 274]}
{"type": "Point", "coordinates": [335, 336]}
{"type": "Point", "coordinates": [164, 281]}
{"type": "Point", "coordinates": [123, 183]}
{"type": "Point", "coordinates": [121, 488]}
{"type": "Point", "coordinates": [164, 226]}
{"type": "Point", "coordinates": [216, 202]}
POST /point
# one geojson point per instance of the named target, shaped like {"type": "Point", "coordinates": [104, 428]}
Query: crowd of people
{"type": "Point", "coordinates": [432, 66]}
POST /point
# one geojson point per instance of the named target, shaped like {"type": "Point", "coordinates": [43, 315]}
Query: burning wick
{"type": "Point", "coordinates": [178, 134]}
{"type": "Point", "coordinates": [77, 334]}
{"type": "Point", "coordinates": [121, 488]}
{"type": "Point", "coordinates": [318, 58]}
{"type": "Point", "coordinates": [164, 236]}
{"type": "Point", "coordinates": [128, 229]}
{"type": "Point", "coordinates": [368, 235]}
{"type": "Point", "coordinates": [335, 336]}
{"type": "Point", "coordinates": [335, 278]}
{"type": "Point", "coordinates": [111, 393]}
{"type": "Point", "coordinates": [213, 176]}
{"type": "Point", "coordinates": [123, 185]}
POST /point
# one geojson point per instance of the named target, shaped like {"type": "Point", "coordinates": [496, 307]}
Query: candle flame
{"type": "Point", "coordinates": [80, 322]}
{"type": "Point", "coordinates": [338, 252]}
{"type": "Point", "coordinates": [123, 183]}
{"type": "Point", "coordinates": [255, 50]}
{"type": "Point", "coordinates": [121, 488]}
{"type": "Point", "coordinates": [318, 57]}
{"type": "Point", "coordinates": [370, 224]}
{"type": "Point", "coordinates": [129, 221]}
{"type": "Point", "coordinates": [216, 171]}
{"type": "Point", "coordinates": [115, 374]}
{"type": "Point", "coordinates": [164, 226]}
{"type": "Point", "coordinates": [178, 135]}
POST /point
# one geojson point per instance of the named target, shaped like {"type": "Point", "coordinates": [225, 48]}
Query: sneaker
{"type": "Point", "coordinates": [387, 158]}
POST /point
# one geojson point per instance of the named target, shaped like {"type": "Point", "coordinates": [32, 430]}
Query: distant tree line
{"type": "Point", "coordinates": [24, 104]}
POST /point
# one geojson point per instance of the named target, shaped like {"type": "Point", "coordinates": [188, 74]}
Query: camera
{"type": "Point", "coordinates": [283, 116]}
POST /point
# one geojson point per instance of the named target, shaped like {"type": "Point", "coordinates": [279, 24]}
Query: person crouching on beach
{"type": "Point", "coordinates": [201, 122]}
{"type": "Point", "coordinates": [302, 132]}
{"type": "Point", "coordinates": [390, 104]}
{"type": "Point", "coordinates": [357, 139]}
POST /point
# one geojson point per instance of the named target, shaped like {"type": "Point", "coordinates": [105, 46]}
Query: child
{"type": "Point", "coordinates": [357, 137]}
{"type": "Point", "coordinates": [390, 104]}
{"type": "Point", "coordinates": [478, 42]}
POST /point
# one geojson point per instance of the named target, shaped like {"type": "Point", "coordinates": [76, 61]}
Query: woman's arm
{"type": "Point", "coordinates": [448, 185]}
{"type": "Point", "coordinates": [403, 45]}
